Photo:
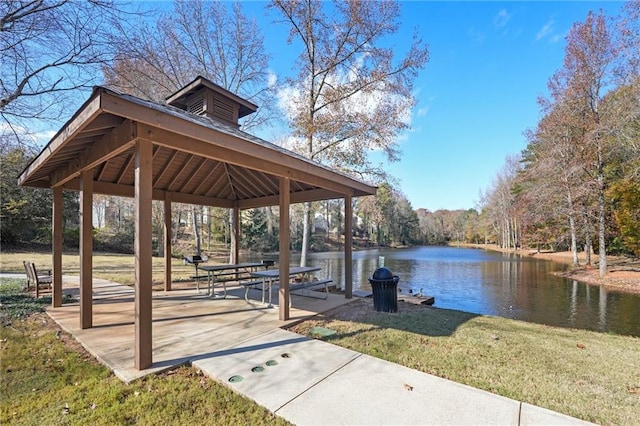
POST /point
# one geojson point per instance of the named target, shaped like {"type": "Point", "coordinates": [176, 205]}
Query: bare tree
{"type": "Point", "coordinates": [50, 50]}
{"type": "Point", "coordinates": [350, 95]}
{"type": "Point", "coordinates": [196, 38]}
{"type": "Point", "coordinates": [587, 71]}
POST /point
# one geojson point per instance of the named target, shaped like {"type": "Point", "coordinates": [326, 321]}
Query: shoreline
{"type": "Point", "coordinates": [623, 274]}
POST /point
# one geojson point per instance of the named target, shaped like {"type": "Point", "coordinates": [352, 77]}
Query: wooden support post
{"type": "Point", "coordinates": [348, 247]}
{"type": "Point", "coordinates": [235, 235]}
{"type": "Point", "coordinates": [86, 249]}
{"type": "Point", "coordinates": [56, 245]}
{"type": "Point", "coordinates": [143, 254]}
{"type": "Point", "coordinates": [283, 292]}
{"type": "Point", "coordinates": [167, 243]}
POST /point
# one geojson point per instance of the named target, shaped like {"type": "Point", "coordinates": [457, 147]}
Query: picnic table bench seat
{"type": "Point", "coordinates": [296, 286]}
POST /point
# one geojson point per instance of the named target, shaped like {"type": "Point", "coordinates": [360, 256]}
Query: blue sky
{"type": "Point", "coordinates": [489, 62]}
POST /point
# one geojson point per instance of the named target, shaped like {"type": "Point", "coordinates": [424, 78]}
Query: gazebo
{"type": "Point", "coordinates": [190, 150]}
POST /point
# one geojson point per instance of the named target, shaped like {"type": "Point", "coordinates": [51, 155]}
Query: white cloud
{"type": "Point", "coordinates": [476, 35]}
{"type": "Point", "coordinates": [546, 30]}
{"type": "Point", "coordinates": [272, 78]}
{"type": "Point", "coordinates": [501, 19]}
{"type": "Point", "coordinates": [32, 137]}
{"type": "Point", "coordinates": [556, 38]}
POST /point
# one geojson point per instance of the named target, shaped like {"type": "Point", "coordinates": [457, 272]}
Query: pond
{"type": "Point", "coordinates": [492, 283]}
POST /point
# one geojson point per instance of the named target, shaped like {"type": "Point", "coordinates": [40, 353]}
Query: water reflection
{"type": "Point", "coordinates": [492, 283]}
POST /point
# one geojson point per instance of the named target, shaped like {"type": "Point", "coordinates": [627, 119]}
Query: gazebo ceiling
{"type": "Point", "coordinates": [196, 159]}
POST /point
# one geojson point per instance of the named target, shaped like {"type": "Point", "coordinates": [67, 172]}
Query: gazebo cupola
{"type": "Point", "coordinates": [203, 97]}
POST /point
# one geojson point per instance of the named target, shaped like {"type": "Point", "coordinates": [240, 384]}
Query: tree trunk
{"type": "Point", "coordinates": [196, 230]}
{"type": "Point", "coordinates": [572, 229]}
{"type": "Point", "coordinates": [306, 234]}
{"type": "Point", "coordinates": [587, 234]}
{"type": "Point", "coordinates": [602, 249]}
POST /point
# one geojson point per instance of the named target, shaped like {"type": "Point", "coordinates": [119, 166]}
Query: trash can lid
{"type": "Point", "coordinates": [382, 274]}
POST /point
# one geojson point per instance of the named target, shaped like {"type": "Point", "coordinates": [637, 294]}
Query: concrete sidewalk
{"type": "Point", "coordinates": [305, 381]}
{"type": "Point", "coordinates": [311, 382]}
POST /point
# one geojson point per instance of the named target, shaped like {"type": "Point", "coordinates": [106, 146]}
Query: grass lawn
{"type": "Point", "coordinates": [118, 268]}
{"type": "Point", "coordinates": [588, 375]}
{"type": "Point", "coordinates": [584, 374]}
{"type": "Point", "coordinates": [46, 377]}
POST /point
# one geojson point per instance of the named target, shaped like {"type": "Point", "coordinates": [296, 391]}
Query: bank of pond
{"type": "Point", "coordinates": [493, 283]}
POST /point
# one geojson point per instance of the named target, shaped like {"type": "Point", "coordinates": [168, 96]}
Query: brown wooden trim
{"type": "Point", "coordinates": [348, 248]}
{"type": "Point", "coordinates": [229, 181]}
{"type": "Point", "coordinates": [184, 135]}
{"type": "Point", "coordinates": [235, 235]}
{"type": "Point", "coordinates": [121, 190]}
{"type": "Point", "coordinates": [112, 144]}
{"type": "Point", "coordinates": [86, 249]}
{"type": "Point", "coordinates": [56, 245]}
{"type": "Point", "coordinates": [167, 242]}
{"type": "Point", "coordinates": [284, 255]}
{"type": "Point", "coordinates": [204, 181]}
{"type": "Point", "coordinates": [143, 254]}
{"type": "Point", "coordinates": [296, 197]}
{"type": "Point", "coordinates": [164, 169]}
{"type": "Point", "coordinates": [179, 171]}
{"type": "Point", "coordinates": [127, 163]}
{"type": "Point", "coordinates": [193, 175]}
{"type": "Point", "coordinates": [85, 115]}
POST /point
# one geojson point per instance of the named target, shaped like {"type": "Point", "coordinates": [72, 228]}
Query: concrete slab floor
{"type": "Point", "coordinates": [305, 381]}
{"type": "Point", "coordinates": [186, 324]}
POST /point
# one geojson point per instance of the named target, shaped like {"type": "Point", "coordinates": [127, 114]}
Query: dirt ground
{"type": "Point", "coordinates": [623, 273]}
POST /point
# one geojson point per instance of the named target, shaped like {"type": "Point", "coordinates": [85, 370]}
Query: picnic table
{"type": "Point", "coordinates": [271, 275]}
{"type": "Point", "coordinates": [229, 272]}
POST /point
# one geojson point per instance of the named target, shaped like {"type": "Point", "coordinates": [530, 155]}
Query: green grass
{"type": "Point", "coordinates": [44, 371]}
{"type": "Point", "coordinates": [584, 374]}
{"type": "Point", "coordinates": [119, 268]}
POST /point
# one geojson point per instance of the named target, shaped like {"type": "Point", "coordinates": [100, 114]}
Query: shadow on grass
{"type": "Point", "coordinates": [17, 303]}
{"type": "Point", "coordinates": [427, 321]}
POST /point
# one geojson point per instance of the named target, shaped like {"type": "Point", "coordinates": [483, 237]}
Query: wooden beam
{"type": "Point", "coordinates": [102, 122]}
{"type": "Point", "coordinates": [86, 249]}
{"type": "Point", "coordinates": [348, 248]}
{"type": "Point", "coordinates": [296, 197]}
{"type": "Point", "coordinates": [167, 242]}
{"type": "Point", "coordinates": [164, 169]}
{"type": "Point", "coordinates": [143, 254]}
{"type": "Point", "coordinates": [88, 112]}
{"type": "Point", "coordinates": [284, 255]}
{"type": "Point", "coordinates": [198, 140]}
{"type": "Point", "coordinates": [204, 181]}
{"type": "Point", "coordinates": [123, 169]}
{"type": "Point", "coordinates": [110, 145]}
{"type": "Point", "coordinates": [235, 235]}
{"type": "Point", "coordinates": [193, 175]}
{"type": "Point", "coordinates": [121, 190]}
{"type": "Point", "coordinates": [180, 170]}
{"type": "Point", "coordinates": [56, 245]}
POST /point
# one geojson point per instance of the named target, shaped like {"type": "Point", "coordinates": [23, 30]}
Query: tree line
{"type": "Point", "coordinates": [575, 186]}
{"type": "Point", "coordinates": [348, 95]}
{"type": "Point", "coordinates": [577, 183]}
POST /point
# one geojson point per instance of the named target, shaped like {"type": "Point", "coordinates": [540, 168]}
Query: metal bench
{"type": "Point", "coordinates": [298, 286]}
{"type": "Point", "coordinates": [311, 285]}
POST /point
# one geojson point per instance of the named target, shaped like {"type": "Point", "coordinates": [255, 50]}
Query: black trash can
{"type": "Point", "coordinates": [385, 290]}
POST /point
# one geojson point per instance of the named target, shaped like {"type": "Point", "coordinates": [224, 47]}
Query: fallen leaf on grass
{"type": "Point", "coordinates": [581, 345]}
{"type": "Point", "coordinates": [633, 389]}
